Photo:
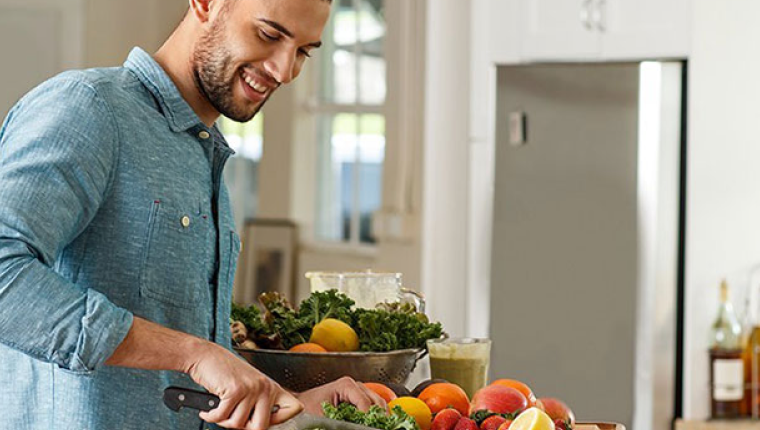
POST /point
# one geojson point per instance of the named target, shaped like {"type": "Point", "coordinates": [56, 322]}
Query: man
{"type": "Point", "coordinates": [117, 244]}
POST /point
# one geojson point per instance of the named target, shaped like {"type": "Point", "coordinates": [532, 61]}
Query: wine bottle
{"type": "Point", "coordinates": [726, 364]}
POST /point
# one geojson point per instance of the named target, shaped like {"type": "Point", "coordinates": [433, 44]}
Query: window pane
{"type": "Point", "coordinates": [372, 60]}
{"type": "Point", "coordinates": [349, 142]}
{"type": "Point", "coordinates": [371, 157]}
{"type": "Point", "coordinates": [335, 185]}
{"type": "Point", "coordinates": [246, 139]}
{"type": "Point", "coordinates": [338, 71]}
{"type": "Point", "coordinates": [241, 174]}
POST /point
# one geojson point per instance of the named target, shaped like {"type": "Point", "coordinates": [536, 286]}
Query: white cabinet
{"type": "Point", "coordinates": [583, 30]}
{"type": "Point", "coordinates": [645, 28]}
{"type": "Point", "coordinates": [558, 29]}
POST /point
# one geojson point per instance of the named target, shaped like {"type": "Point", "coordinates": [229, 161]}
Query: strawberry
{"type": "Point", "coordinates": [492, 423]}
{"type": "Point", "coordinates": [505, 425]}
{"type": "Point", "coordinates": [446, 419]}
{"type": "Point", "coordinates": [560, 425]}
{"type": "Point", "coordinates": [466, 424]}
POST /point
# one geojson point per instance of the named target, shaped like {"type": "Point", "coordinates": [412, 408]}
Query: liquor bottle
{"type": "Point", "coordinates": [751, 404]}
{"type": "Point", "coordinates": [726, 361]}
{"type": "Point", "coordinates": [747, 321]}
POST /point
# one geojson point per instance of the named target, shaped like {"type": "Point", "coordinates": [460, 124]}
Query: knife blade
{"type": "Point", "coordinates": [176, 398]}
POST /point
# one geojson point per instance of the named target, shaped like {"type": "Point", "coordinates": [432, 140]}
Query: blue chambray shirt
{"type": "Point", "coordinates": [112, 205]}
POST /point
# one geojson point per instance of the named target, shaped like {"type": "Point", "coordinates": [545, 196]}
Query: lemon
{"type": "Point", "coordinates": [335, 336]}
{"type": "Point", "coordinates": [416, 408]}
{"type": "Point", "coordinates": [532, 419]}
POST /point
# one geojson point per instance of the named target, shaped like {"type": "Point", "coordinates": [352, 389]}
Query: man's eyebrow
{"type": "Point", "coordinates": [279, 27]}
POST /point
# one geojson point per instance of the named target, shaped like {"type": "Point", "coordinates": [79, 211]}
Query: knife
{"type": "Point", "coordinates": [176, 398]}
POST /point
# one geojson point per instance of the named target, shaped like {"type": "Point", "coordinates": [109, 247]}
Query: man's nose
{"type": "Point", "coordinates": [281, 65]}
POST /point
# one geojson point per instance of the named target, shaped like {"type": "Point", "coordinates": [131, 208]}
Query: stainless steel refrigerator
{"type": "Point", "coordinates": [586, 250]}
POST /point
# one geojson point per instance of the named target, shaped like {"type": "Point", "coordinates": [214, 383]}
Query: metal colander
{"type": "Point", "coordinates": [300, 371]}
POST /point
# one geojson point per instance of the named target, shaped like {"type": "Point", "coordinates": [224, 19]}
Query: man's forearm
{"type": "Point", "coordinates": [152, 346]}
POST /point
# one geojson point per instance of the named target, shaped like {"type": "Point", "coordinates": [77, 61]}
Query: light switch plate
{"type": "Point", "coordinates": [518, 128]}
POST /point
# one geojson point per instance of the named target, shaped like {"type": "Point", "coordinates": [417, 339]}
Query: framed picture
{"type": "Point", "coordinates": [267, 260]}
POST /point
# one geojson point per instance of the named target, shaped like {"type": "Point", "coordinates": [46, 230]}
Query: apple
{"type": "Point", "coordinates": [558, 410]}
{"type": "Point", "coordinates": [499, 399]}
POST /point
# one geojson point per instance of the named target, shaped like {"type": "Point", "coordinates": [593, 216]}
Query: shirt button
{"type": "Point", "coordinates": [186, 221]}
{"type": "Point", "coordinates": [204, 135]}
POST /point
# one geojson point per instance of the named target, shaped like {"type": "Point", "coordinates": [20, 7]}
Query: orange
{"type": "Point", "coordinates": [308, 347]}
{"type": "Point", "coordinates": [445, 395]}
{"type": "Point", "coordinates": [381, 390]}
{"type": "Point", "coordinates": [519, 386]}
{"type": "Point", "coordinates": [416, 408]}
{"type": "Point", "coordinates": [335, 335]}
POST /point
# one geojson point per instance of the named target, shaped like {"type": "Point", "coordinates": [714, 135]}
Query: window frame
{"type": "Point", "coordinates": [398, 219]}
{"type": "Point", "coordinates": [317, 107]}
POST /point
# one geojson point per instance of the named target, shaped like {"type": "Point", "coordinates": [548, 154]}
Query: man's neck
{"type": "Point", "coordinates": [175, 58]}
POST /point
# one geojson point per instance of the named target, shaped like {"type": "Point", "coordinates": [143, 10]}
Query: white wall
{"type": "Point", "coordinates": [723, 206]}
{"type": "Point", "coordinates": [113, 27]}
{"type": "Point", "coordinates": [444, 222]}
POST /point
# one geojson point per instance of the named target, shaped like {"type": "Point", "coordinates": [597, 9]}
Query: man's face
{"type": "Point", "coordinates": [251, 47]}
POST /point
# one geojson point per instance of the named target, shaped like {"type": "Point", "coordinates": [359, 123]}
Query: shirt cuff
{"type": "Point", "coordinates": [104, 327]}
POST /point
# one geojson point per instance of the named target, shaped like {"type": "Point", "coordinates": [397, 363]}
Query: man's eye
{"type": "Point", "coordinates": [268, 36]}
{"type": "Point", "coordinates": [304, 52]}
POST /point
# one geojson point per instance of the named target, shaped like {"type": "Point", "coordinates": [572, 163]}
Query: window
{"type": "Point", "coordinates": [242, 171]}
{"type": "Point", "coordinates": [350, 122]}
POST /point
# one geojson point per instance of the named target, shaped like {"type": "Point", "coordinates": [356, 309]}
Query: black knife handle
{"type": "Point", "coordinates": [177, 398]}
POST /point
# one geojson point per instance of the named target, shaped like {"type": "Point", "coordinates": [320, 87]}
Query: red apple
{"type": "Point", "coordinates": [558, 410]}
{"type": "Point", "coordinates": [499, 399]}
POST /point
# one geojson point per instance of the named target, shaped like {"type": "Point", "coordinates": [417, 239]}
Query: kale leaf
{"type": "Point", "coordinates": [376, 417]}
{"type": "Point", "coordinates": [326, 304]}
{"type": "Point", "coordinates": [283, 320]}
{"type": "Point", "coordinates": [250, 316]}
{"type": "Point", "coordinates": [381, 330]}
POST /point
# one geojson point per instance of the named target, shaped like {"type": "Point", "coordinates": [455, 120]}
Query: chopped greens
{"type": "Point", "coordinates": [376, 417]}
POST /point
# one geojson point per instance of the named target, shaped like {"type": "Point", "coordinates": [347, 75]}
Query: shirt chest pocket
{"type": "Point", "coordinates": [175, 257]}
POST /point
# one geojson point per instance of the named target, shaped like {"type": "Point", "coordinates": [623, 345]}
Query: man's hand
{"type": "Point", "coordinates": [246, 395]}
{"type": "Point", "coordinates": [343, 390]}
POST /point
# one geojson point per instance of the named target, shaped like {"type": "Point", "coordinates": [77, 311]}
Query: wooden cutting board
{"type": "Point", "coordinates": [717, 425]}
{"type": "Point", "coordinates": [599, 426]}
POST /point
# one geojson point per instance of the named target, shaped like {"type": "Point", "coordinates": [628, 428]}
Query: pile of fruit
{"type": "Point", "coordinates": [328, 322]}
{"type": "Point", "coordinates": [506, 404]}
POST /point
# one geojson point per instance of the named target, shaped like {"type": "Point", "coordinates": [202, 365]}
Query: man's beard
{"type": "Point", "coordinates": [211, 63]}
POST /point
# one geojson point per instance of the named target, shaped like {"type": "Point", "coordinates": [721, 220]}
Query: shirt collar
{"type": "Point", "coordinates": [180, 115]}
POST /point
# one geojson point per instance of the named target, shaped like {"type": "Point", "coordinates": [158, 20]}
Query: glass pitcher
{"type": "Point", "coordinates": [367, 289]}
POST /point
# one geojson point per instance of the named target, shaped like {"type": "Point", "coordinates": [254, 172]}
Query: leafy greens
{"type": "Point", "coordinates": [376, 417]}
{"type": "Point", "coordinates": [388, 328]}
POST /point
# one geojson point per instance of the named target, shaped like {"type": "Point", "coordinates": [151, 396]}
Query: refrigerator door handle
{"type": "Point", "coordinates": [585, 15]}
{"type": "Point", "coordinates": [598, 15]}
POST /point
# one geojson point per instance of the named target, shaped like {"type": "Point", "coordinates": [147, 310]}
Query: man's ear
{"type": "Point", "coordinates": [200, 9]}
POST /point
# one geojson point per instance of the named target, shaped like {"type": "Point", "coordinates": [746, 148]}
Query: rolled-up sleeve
{"type": "Point", "coordinates": [58, 152]}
